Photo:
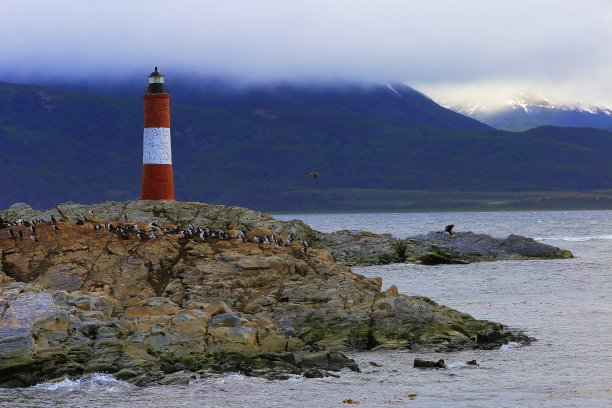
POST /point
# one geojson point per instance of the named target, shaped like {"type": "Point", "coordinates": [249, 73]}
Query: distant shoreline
{"type": "Point", "coordinates": [358, 201]}
{"type": "Point", "coordinates": [335, 201]}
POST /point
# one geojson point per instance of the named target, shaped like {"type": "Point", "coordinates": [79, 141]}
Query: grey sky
{"type": "Point", "coordinates": [443, 47]}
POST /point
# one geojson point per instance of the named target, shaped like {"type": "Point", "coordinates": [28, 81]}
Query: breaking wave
{"type": "Point", "coordinates": [575, 239]}
{"type": "Point", "coordinates": [94, 382]}
{"type": "Point", "coordinates": [510, 346]}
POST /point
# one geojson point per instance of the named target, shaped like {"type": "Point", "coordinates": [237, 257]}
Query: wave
{"type": "Point", "coordinates": [510, 346]}
{"type": "Point", "coordinates": [231, 378]}
{"type": "Point", "coordinates": [575, 239]}
{"type": "Point", "coordinates": [95, 382]}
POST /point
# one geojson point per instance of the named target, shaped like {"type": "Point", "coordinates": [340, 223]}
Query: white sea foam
{"type": "Point", "coordinates": [510, 346]}
{"type": "Point", "coordinates": [575, 239]}
{"type": "Point", "coordinates": [456, 366]}
{"type": "Point", "coordinates": [231, 378]}
{"type": "Point", "coordinates": [65, 385]}
{"type": "Point", "coordinates": [95, 381]}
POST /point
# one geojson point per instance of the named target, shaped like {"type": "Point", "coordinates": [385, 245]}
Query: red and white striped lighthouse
{"type": "Point", "coordinates": [157, 178]}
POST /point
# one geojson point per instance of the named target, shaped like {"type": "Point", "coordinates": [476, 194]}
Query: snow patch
{"type": "Point", "coordinates": [393, 90]}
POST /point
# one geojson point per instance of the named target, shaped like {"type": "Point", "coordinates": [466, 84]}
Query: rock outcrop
{"type": "Point", "coordinates": [155, 307]}
{"type": "Point", "coordinates": [348, 247]}
{"type": "Point", "coordinates": [465, 247]}
{"type": "Point", "coordinates": [354, 248]}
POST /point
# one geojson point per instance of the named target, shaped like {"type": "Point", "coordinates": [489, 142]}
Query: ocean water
{"type": "Point", "coordinates": [565, 304]}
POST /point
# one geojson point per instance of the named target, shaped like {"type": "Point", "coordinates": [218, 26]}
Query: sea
{"type": "Point", "coordinates": [565, 304]}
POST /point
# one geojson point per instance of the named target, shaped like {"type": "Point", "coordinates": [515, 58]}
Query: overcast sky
{"type": "Point", "coordinates": [451, 49]}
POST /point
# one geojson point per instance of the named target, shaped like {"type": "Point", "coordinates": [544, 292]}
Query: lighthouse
{"type": "Point", "coordinates": [157, 178]}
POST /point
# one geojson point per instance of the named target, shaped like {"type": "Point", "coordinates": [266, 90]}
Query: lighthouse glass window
{"type": "Point", "coordinates": [156, 79]}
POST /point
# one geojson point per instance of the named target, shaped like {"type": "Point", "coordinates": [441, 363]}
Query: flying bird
{"type": "Point", "coordinates": [312, 174]}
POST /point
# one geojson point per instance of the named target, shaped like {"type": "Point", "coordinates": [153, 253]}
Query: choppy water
{"type": "Point", "coordinates": [566, 304]}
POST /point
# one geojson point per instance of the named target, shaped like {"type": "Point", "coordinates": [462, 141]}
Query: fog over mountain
{"type": "Point", "coordinates": [439, 44]}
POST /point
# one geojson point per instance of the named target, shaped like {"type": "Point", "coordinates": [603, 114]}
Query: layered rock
{"type": "Point", "coordinates": [465, 247]}
{"type": "Point", "coordinates": [354, 248]}
{"type": "Point", "coordinates": [80, 299]}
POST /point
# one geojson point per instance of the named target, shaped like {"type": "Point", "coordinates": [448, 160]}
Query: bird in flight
{"type": "Point", "coordinates": [312, 174]}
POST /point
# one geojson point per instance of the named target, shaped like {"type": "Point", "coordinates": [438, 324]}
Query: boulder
{"type": "Point", "coordinates": [418, 363]}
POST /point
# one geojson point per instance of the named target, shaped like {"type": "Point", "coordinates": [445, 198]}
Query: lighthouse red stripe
{"type": "Point", "coordinates": [157, 182]}
{"type": "Point", "coordinates": [157, 110]}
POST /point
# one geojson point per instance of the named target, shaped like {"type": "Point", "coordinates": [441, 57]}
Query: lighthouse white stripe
{"type": "Point", "coordinates": [156, 148]}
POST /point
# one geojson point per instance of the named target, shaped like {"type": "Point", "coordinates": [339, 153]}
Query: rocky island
{"type": "Point", "coordinates": [159, 292]}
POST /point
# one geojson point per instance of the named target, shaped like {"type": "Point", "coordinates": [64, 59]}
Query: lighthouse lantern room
{"type": "Point", "coordinates": [157, 177]}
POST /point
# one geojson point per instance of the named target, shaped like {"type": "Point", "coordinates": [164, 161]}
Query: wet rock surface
{"type": "Point", "coordinates": [143, 301]}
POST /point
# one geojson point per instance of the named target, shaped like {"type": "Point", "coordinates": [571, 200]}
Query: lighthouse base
{"type": "Point", "coordinates": [157, 182]}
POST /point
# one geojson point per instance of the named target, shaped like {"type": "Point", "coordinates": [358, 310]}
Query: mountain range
{"type": "Point", "coordinates": [524, 112]}
{"type": "Point", "coordinates": [384, 147]}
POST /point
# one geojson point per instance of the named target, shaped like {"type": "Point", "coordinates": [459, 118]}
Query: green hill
{"type": "Point", "coordinates": [253, 148]}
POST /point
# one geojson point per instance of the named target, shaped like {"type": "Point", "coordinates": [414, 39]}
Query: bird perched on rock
{"type": "Point", "coordinates": [312, 174]}
{"type": "Point", "coordinates": [53, 220]}
{"type": "Point", "coordinates": [449, 228]}
{"type": "Point", "coordinates": [56, 228]}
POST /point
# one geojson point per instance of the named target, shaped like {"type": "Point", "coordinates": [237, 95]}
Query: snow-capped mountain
{"type": "Point", "coordinates": [524, 112]}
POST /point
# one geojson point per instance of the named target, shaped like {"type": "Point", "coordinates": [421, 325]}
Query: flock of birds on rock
{"type": "Point", "coordinates": [123, 228]}
{"type": "Point", "coordinates": [17, 233]}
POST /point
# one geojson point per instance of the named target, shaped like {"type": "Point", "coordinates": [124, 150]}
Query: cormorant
{"type": "Point", "coordinates": [449, 228]}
